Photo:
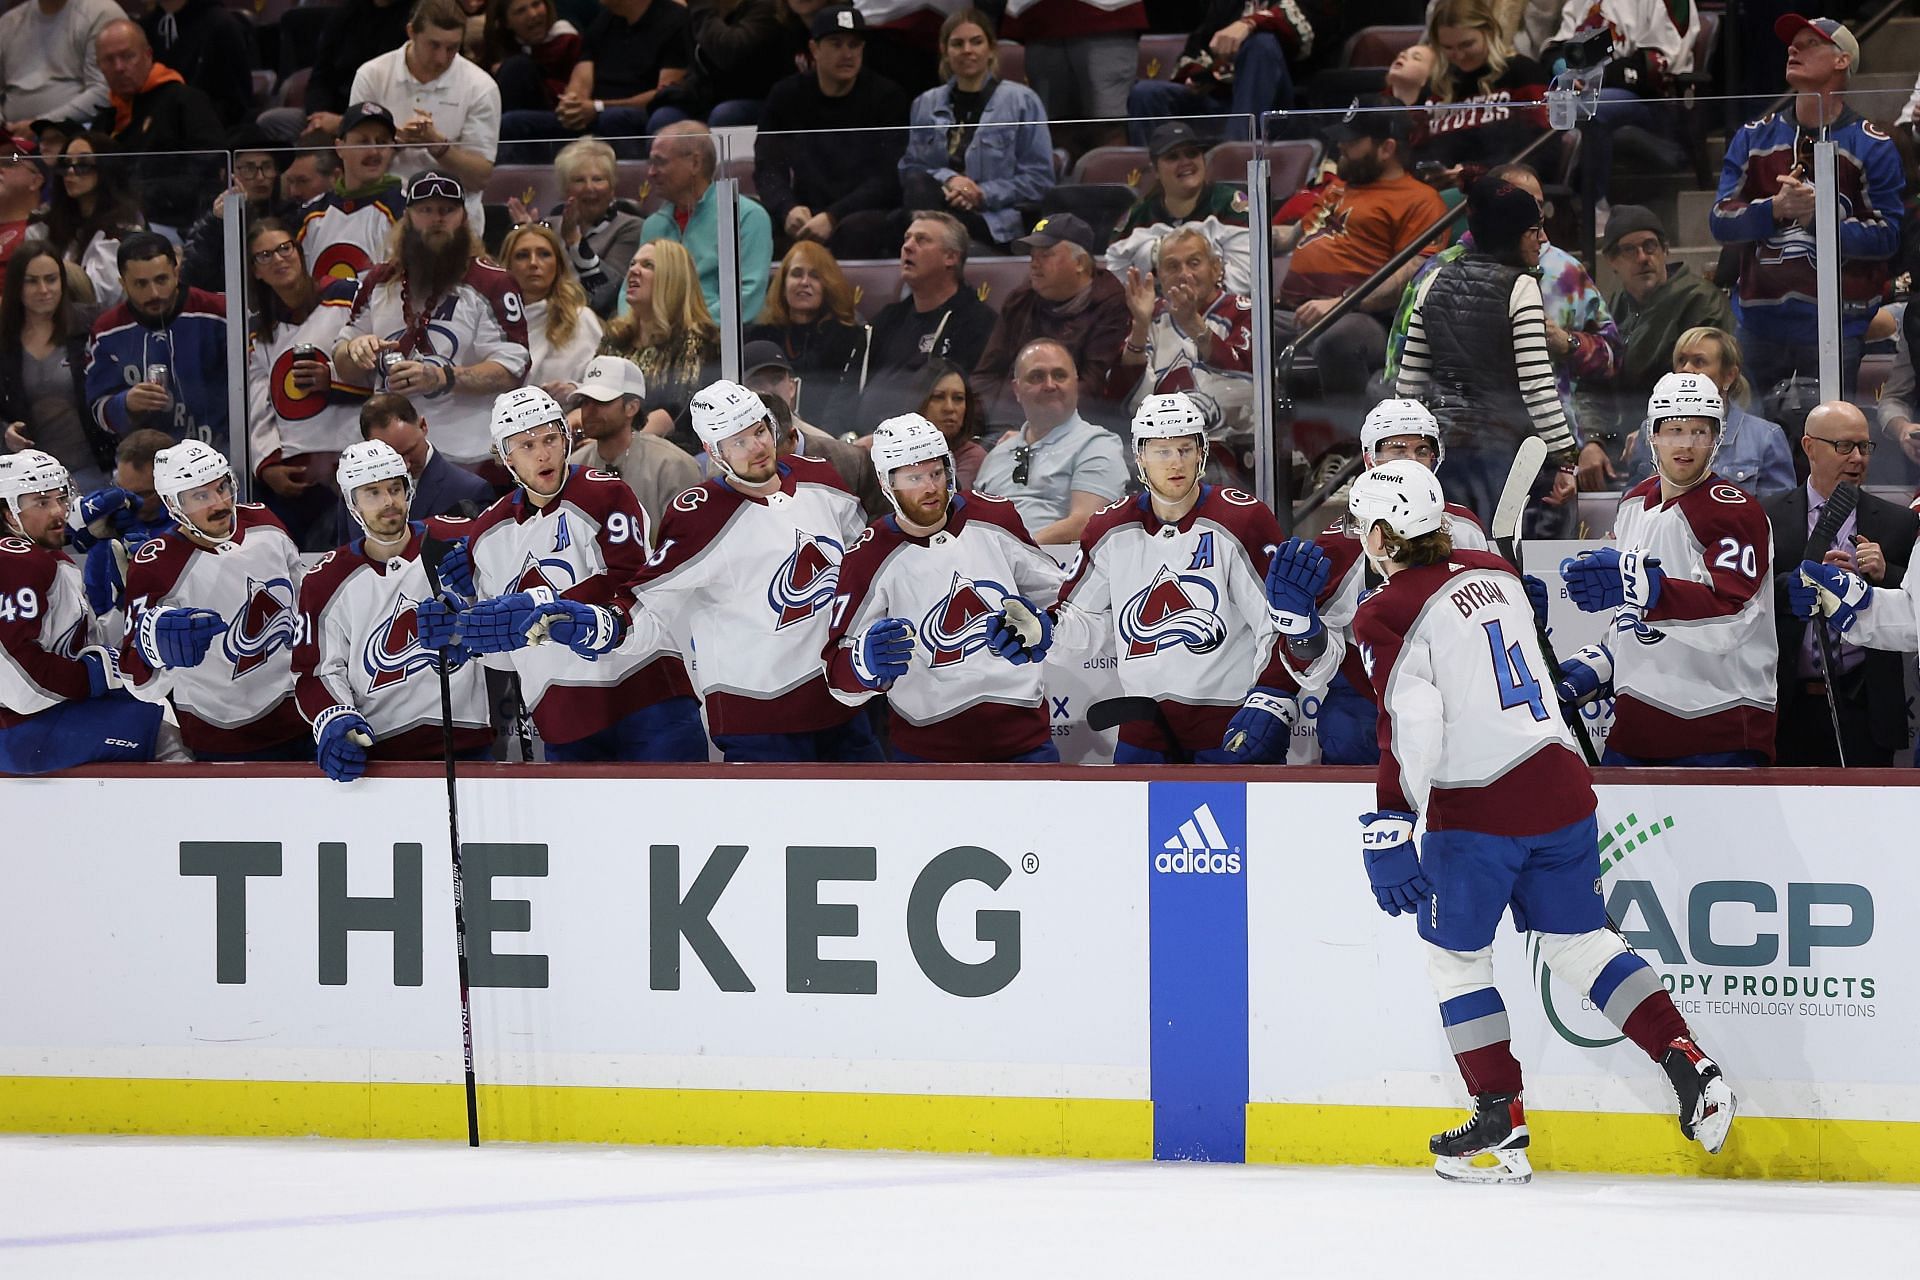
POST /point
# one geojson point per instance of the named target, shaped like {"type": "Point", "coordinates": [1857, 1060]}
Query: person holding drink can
{"type": "Point", "coordinates": [158, 359]}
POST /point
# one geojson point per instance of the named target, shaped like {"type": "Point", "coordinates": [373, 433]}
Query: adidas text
{"type": "Point", "coordinates": [1198, 863]}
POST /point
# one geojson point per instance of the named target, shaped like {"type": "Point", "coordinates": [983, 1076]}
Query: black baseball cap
{"type": "Point", "coordinates": [756, 356]}
{"type": "Point", "coordinates": [1626, 220]}
{"type": "Point", "coordinates": [840, 20]}
{"type": "Point", "coordinates": [1373, 116]}
{"type": "Point", "coordinates": [1054, 228]}
{"type": "Point", "coordinates": [361, 112]}
{"type": "Point", "coordinates": [1172, 136]}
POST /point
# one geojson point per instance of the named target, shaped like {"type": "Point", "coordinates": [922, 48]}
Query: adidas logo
{"type": "Point", "coordinates": [1199, 848]}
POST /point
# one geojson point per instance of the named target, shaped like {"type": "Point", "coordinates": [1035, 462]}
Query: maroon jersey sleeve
{"type": "Point", "coordinates": [1380, 628]}
{"type": "Point", "coordinates": [317, 589]}
{"type": "Point", "coordinates": [503, 298]}
{"type": "Point", "coordinates": [1736, 541]}
{"type": "Point", "coordinates": [27, 576]}
{"type": "Point", "coordinates": [155, 570]}
{"type": "Point", "coordinates": [857, 571]}
{"type": "Point", "coordinates": [623, 539]}
{"type": "Point", "coordinates": [693, 521]}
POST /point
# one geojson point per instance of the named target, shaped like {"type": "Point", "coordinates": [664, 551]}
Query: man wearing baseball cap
{"type": "Point", "coordinates": [1766, 207]}
{"type": "Point", "coordinates": [346, 231]}
{"type": "Point", "coordinates": [607, 404]}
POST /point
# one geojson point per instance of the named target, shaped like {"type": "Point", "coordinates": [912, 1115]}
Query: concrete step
{"type": "Point", "coordinates": [1692, 216]}
{"type": "Point", "coordinates": [1894, 46]}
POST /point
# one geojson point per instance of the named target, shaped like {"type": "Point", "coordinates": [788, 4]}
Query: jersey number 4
{"type": "Point", "coordinates": [1511, 675]}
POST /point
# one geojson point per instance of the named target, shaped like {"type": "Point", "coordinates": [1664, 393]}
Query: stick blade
{"type": "Point", "coordinates": [1527, 461]}
{"type": "Point", "coordinates": [1111, 713]}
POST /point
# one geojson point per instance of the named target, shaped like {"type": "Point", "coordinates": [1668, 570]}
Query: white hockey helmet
{"type": "Point", "coordinates": [1168, 417]}
{"type": "Point", "coordinates": [522, 409]}
{"type": "Point", "coordinates": [188, 465]}
{"type": "Point", "coordinates": [1686, 395]}
{"type": "Point", "coordinates": [904, 441]}
{"type": "Point", "coordinates": [32, 471]}
{"type": "Point", "coordinates": [1396, 417]}
{"type": "Point", "coordinates": [364, 463]}
{"type": "Point", "coordinates": [722, 410]}
{"type": "Point", "coordinates": [1403, 493]}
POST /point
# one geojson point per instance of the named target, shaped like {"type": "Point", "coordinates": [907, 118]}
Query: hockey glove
{"type": "Point", "coordinates": [111, 507]}
{"type": "Point", "coordinates": [456, 572]}
{"type": "Point", "coordinates": [1834, 591]}
{"type": "Point", "coordinates": [1020, 632]}
{"type": "Point", "coordinates": [883, 652]}
{"type": "Point", "coordinates": [178, 637]}
{"type": "Point", "coordinates": [104, 577]}
{"type": "Point", "coordinates": [343, 735]}
{"type": "Point", "coordinates": [1586, 676]}
{"type": "Point", "coordinates": [103, 670]}
{"type": "Point", "coordinates": [438, 625]}
{"type": "Point", "coordinates": [1537, 596]}
{"type": "Point", "coordinates": [1260, 730]}
{"type": "Point", "coordinates": [1608, 578]}
{"type": "Point", "coordinates": [587, 629]}
{"type": "Point", "coordinates": [502, 624]}
{"type": "Point", "coordinates": [1393, 863]}
{"type": "Point", "coordinates": [1295, 578]}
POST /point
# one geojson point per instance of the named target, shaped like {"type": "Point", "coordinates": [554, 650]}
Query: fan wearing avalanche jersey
{"type": "Point", "coordinates": [923, 612]}
{"type": "Point", "coordinates": [1470, 742]}
{"type": "Point", "coordinates": [1692, 653]}
{"type": "Point", "coordinates": [61, 699]}
{"type": "Point", "coordinates": [1176, 572]}
{"type": "Point", "coordinates": [364, 682]}
{"type": "Point", "coordinates": [748, 565]}
{"type": "Point", "coordinates": [554, 566]}
{"type": "Point", "coordinates": [344, 230]}
{"type": "Point", "coordinates": [212, 615]}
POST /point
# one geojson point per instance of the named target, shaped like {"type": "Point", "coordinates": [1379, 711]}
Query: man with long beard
{"type": "Point", "coordinates": [452, 319]}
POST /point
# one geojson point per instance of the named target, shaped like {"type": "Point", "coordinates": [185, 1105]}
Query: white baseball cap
{"type": "Point", "coordinates": [608, 378]}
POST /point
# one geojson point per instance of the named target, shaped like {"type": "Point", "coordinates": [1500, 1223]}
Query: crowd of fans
{"type": "Point", "coordinates": [905, 132]}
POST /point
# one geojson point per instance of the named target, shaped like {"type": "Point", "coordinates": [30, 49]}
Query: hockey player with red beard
{"type": "Point", "coordinates": [212, 616]}
{"type": "Point", "coordinates": [923, 612]}
{"type": "Point", "coordinates": [364, 682]}
{"type": "Point", "coordinates": [748, 567]}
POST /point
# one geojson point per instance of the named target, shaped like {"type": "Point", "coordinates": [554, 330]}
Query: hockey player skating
{"type": "Point", "coordinates": [212, 615]}
{"type": "Point", "coordinates": [364, 682]}
{"type": "Point", "coordinates": [1691, 656]}
{"type": "Point", "coordinates": [1176, 573]}
{"type": "Point", "coordinates": [61, 699]}
{"type": "Point", "coordinates": [1471, 743]}
{"type": "Point", "coordinates": [554, 566]}
{"type": "Point", "coordinates": [940, 609]}
{"type": "Point", "coordinates": [748, 566]}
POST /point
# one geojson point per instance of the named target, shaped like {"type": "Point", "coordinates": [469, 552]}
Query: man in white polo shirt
{"type": "Point", "coordinates": [447, 108]}
{"type": "Point", "coordinates": [1058, 468]}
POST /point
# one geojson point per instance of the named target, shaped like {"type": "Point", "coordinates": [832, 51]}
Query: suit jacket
{"type": "Point", "coordinates": [1884, 672]}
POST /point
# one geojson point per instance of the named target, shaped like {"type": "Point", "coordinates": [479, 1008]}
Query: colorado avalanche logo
{"type": "Point", "coordinates": [291, 403]}
{"type": "Point", "coordinates": [552, 572]}
{"type": "Point", "coordinates": [805, 581]}
{"type": "Point", "coordinates": [957, 625]}
{"type": "Point", "coordinates": [1173, 609]}
{"type": "Point", "coordinates": [340, 262]}
{"type": "Point", "coordinates": [392, 651]}
{"type": "Point", "coordinates": [266, 623]}
{"type": "Point", "coordinates": [70, 644]}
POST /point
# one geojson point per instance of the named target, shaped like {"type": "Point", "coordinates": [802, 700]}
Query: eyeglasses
{"type": "Point", "coordinates": [1847, 448]}
{"type": "Point", "coordinates": [1022, 462]}
{"type": "Point", "coordinates": [77, 164]}
{"type": "Point", "coordinates": [254, 169]}
{"type": "Point", "coordinates": [281, 250]}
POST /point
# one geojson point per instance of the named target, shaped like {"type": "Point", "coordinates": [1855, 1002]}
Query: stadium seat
{"type": "Point", "coordinates": [1290, 164]}
{"type": "Point", "coordinates": [1013, 61]}
{"type": "Point", "coordinates": [1100, 205]}
{"type": "Point", "coordinates": [875, 281]}
{"type": "Point", "coordinates": [293, 90]}
{"type": "Point", "coordinates": [1377, 46]}
{"type": "Point", "coordinates": [740, 167]}
{"type": "Point", "coordinates": [1159, 54]}
{"type": "Point", "coordinates": [994, 278]}
{"type": "Point", "coordinates": [538, 181]}
{"type": "Point", "coordinates": [1127, 166]}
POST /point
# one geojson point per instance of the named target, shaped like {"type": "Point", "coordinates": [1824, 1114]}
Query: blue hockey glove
{"type": "Point", "coordinates": [1608, 578]}
{"type": "Point", "coordinates": [883, 652]}
{"type": "Point", "coordinates": [103, 670]}
{"type": "Point", "coordinates": [438, 625]}
{"type": "Point", "coordinates": [104, 504]}
{"type": "Point", "coordinates": [587, 629]}
{"type": "Point", "coordinates": [1295, 578]}
{"type": "Point", "coordinates": [102, 577]}
{"type": "Point", "coordinates": [1585, 676]}
{"type": "Point", "coordinates": [1539, 597]}
{"type": "Point", "coordinates": [1020, 632]}
{"type": "Point", "coordinates": [178, 637]}
{"type": "Point", "coordinates": [502, 624]}
{"type": "Point", "coordinates": [456, 572]}
{"type": "Point", "coordinates": [1393, 863]}
{"type": "Point", "coordinates": [343, 735]}
{"type": "Point", "coordinates": [1260, 730]}
{"type": "Point", "coordinates": [1834, 591]}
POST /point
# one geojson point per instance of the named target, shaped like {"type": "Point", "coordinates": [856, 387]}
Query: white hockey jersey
{"type": "Point", "coordinates": [588, 544]}
{"type": "Point", "coordinates": [959, 701]}
{"type": "Point", "coordinates": [239, 700]}
{"type": "Point", "coordinates": [44, 623]}
{"type": "Point", "coordinates": [341, 237]}
{"type": "Point", "coordinates": [1701, 680]}
{"type": "Point", "coordinates": [283, 421]}
{"type": "Point", "coordinates": [752, 581]}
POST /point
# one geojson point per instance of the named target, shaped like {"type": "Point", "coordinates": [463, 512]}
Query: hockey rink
{"type": "Point", "coordinates": [163, 1207]}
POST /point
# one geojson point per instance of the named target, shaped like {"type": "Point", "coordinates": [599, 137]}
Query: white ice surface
{"type": "Point", "coordinates": [80, 1207]}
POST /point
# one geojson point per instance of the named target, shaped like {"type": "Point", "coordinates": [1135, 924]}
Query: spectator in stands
{"type": "Point", "coordinates": [669, 333]}
{"type": "Point", "coordinates": [159, 359]}
{"type": "Point", "coordinates": [53, 135]}
{"type": "Point", "coordinates": [1868, 686]}
{"type": "Point", "coordinates": [739, 52]}
{"type": "Point", "coordinates": [439, 487]}
{"type": "Point", "coordinates": [767, 372]}
{"type": "Point", "coordinates": [562, 331]}
{"type": "Point", "coordinates": [631, 51]}
{"type": "Point", "coordinates": [358, 32]}
{"type": "Point", "coordinates": [941, 318]}
{"type": "Point", "coordinates": [1068, 297]}
{"type": "Point", "coordinates": [947, 402]}
{"type": "Point", "coordinates": [1058, 468]}
{"type": "Point", "coordinates": [346, 229]}
{"type": "Point", "coordinates": [133, 471]}
{"type": "Point", "coordinates": [1082, 56]}
{"type": "Point", "coordinates": [1652, 43]}
{"type": "Point", "coordinates": [210, 48]}
{"type": "Point", "coordinates": [446, 109]}
{"type": "Point", "coordinates": [1241, 59]}
{"type": "Point", "coordinates": [43, 361]}
{"type": "Point", "coordinates": [1409, 79]}
{"type": "Point", "coordinates": [1658, 301]}
{"type": "Point", "coordinates": [256, 183]}
{"type": "Point", "coordinates": [608, 403]}
{"type": "Point", "coordinates": [1901, 394]}
{"type": "Point", "coordinates": [1765, 206]}
{"type": "Point", "coordinates": [1195, 337]}
{"type": "Point", "coordinates": [1487, 97]}
{"type": "Point", "coordinates": [600, 233]}
{"type": "Point", "coordinates": [1182, 195]}
{"type": "Point", "coordinates": [978, 146]}
{"type": "Point", "coordinates": [310, 171]}
{"type": "Point", "coordinates": [839, 188]}
{"type": "Point", "coordinates": [156, 115]}
{"type": "Point", "coordinates": [91, 212]}
{"type": "Point", "coordinates": [49, 66]}
{"type": "Point", "coordinates": [21, 180]}
{"type": "Point", "coordinates": [1375, 210]}
{"type": "Point", "coordinates": [1753, 452]}
{"type": "Point", "coordinates": [809, 317]}
{"type": "Point", "coordinates": [681, 166]}
{"type": "Point", "coordinates": [530, 51]}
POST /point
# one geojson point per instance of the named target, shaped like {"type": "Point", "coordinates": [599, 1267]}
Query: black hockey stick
{"type": "Point", "coordinates": [1110, 713]}
{"type": "Point", "coordinates": [1840, 505]}
{"type": "Point", "coordinates": [432, 551]}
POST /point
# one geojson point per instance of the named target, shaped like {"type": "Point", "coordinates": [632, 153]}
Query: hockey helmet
{"type": "Point", "coordinates": [184, 466]}
{"type": "Point", "coordinates": [1403, 493]}
{"type": "Point", "coordinates": [722, 410]}
{"type": "Point", "coordinates": [365, 463]}
{"type": "Point", "coordinates": [1685, 395]}
{"type": "Point", "coordinates": [904, 441]}
{"type": "Point", "coordinates": [1167, 417]}
{"type": "Point", "coordinates": [522, 409]}
{"type": "Point", "coordinates": [1392, 418]}
{"type": "Point", "coordinates": [32, 471]}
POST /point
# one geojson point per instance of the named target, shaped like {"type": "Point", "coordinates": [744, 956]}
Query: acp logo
{"type": "Point", "coordinates": [805, 581]}
{"type": "Point", "coordinates": [1197, 828]}
{"type": "Point", "coordinates": [1173, 609]}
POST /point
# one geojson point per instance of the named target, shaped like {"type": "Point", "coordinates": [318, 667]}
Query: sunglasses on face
{"type": "Point", "coordinates": [77, 164]}
{"type": "Point", "coordinates": [436, 188]}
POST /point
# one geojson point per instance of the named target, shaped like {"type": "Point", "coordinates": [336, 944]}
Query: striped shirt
{"type": "Point", "coordinates": [1532, 366]}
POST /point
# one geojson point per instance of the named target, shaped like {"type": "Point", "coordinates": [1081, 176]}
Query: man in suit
{"type": "Point", "coordinates": [1869, 684]}
{"type": "Point", "coordinates": [440, 488]}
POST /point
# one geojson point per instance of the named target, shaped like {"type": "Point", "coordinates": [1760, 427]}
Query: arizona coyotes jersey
{"type": "Point", "coordinates": [752, 581]}
{"type": "Point", "coordinates": [44, 623]}
{"type": "Point", "coordinates": [360, 647]}
{"type": "Point", "coordinates": [1698, 678]}
{"type": "Point", "coordinates": [341, 237]}
{"type": "Point", "coordinates": [239, 700]}
{"type": "Point", "coordinates": [284, 421]}
{"type": "Point", "coordinates": [1186, 602]}
{"type": "Point", "coordinates": [588, 544]}
{"type": "Point", "coordinates": [479, 319]}
{"type": "Point", "coordinates": [1470, 732]}
{"type": "Point", "coordinates": [959, 701]}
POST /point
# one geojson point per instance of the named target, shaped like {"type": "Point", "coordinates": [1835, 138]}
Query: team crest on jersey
{"type": "Point", "coordinates": [289, 401]}
{"type": "Point", "coordinates": [805, 581]}
{"type": "Point", "coordinates": [553, 572]}
{"type": "Point", "coordinates": [957, 625]}
{"type": "Point", "coordinates": [392, 650]}
{"type": "Point", "coordinates": [1173, 609]}
{"type": "Point", "coordinates": [267, 622]}
{"type": "Point", "coordinates": [340, 262]}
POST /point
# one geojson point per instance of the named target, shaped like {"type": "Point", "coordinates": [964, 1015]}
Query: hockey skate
{"type": "Point", "coordinates": [1706, 1101]}
{"type": "Point", "coordinates": [1497, 1128]}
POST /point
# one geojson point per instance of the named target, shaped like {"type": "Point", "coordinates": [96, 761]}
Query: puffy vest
{"type": "Point", "coordinates": [1476, 391]}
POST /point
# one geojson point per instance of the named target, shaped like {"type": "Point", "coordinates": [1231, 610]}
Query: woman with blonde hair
{"type": "Point", "coordinates": [1753, 452]}
{"type": "Point", "coordinates": [670, 334]}
{"type": "Point", "coordinates": [562, 332]}
{"type": "Point", "coordinates": [599, 231]}
{"type": "Point", "coordinates": [809, 315]}
{"type": "Point", "coordinates": [1488, 99]}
